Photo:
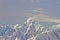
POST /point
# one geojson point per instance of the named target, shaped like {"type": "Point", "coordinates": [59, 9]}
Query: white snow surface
{"type": "Point", "coordinates": [30, 30]}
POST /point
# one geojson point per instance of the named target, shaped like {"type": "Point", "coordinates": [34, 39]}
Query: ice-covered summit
{"type": "Point", "coordinates": [30, 30]}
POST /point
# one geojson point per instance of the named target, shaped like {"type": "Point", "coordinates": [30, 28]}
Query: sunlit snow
{"type": "Point", "coordinates": [30, 30]}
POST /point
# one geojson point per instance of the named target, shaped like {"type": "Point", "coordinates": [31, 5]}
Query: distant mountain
{"type": "Point", "coordinates": [30, 30]}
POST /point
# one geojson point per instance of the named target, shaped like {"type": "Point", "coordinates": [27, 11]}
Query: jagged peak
{"type": "Point", "coordinates": [32, 30]}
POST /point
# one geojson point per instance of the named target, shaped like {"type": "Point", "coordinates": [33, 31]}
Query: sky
{"type": "Point", "coordinates": [16, 11]}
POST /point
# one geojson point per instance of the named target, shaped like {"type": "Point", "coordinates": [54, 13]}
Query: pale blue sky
{"type": "Point", "coordinates": [11, 11]}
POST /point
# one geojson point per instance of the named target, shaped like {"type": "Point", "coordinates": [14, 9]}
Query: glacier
{"type": "Point", "coordinates": [30, 30]}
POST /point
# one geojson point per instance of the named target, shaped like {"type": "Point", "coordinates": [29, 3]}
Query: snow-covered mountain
{"type": "Point", "coordinates": [30, 30]}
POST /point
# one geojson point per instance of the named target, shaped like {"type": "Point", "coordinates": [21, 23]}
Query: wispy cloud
{"type": "Point", "coordinates": [37, 10]}
{"type": "Point", "coordinates": [38, 0]}
{"type": "Point", "coordinates": [42, 17]}
{"type": "Point", "coordinates": [39, 17]}
{"type": "Point", "coordinates": [56, 26]}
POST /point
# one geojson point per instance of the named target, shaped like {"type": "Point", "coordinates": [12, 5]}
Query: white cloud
{"type": "Point", "coordinates": [38, 0]}
{"type": "Point", "coordinates": [41, 17]}
{"type": "Point", "coordinates": [46, 18]}
{"type": "Point", "coordinates": [56, 26]}
{"type": "Point", "coordinates": [41, 9]}
{"type": "Point", "coordinates": [37, 10]}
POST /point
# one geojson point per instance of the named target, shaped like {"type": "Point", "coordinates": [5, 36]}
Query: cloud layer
{"type": "Point", "coordinates": [42, 17]}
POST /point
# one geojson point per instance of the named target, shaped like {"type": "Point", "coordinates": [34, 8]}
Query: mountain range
{"type": "Point", "coordinates": [30, 30]}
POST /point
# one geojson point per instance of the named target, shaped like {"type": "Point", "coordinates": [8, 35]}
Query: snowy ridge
{"type": "Point", "coordinates": [30, 30]}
